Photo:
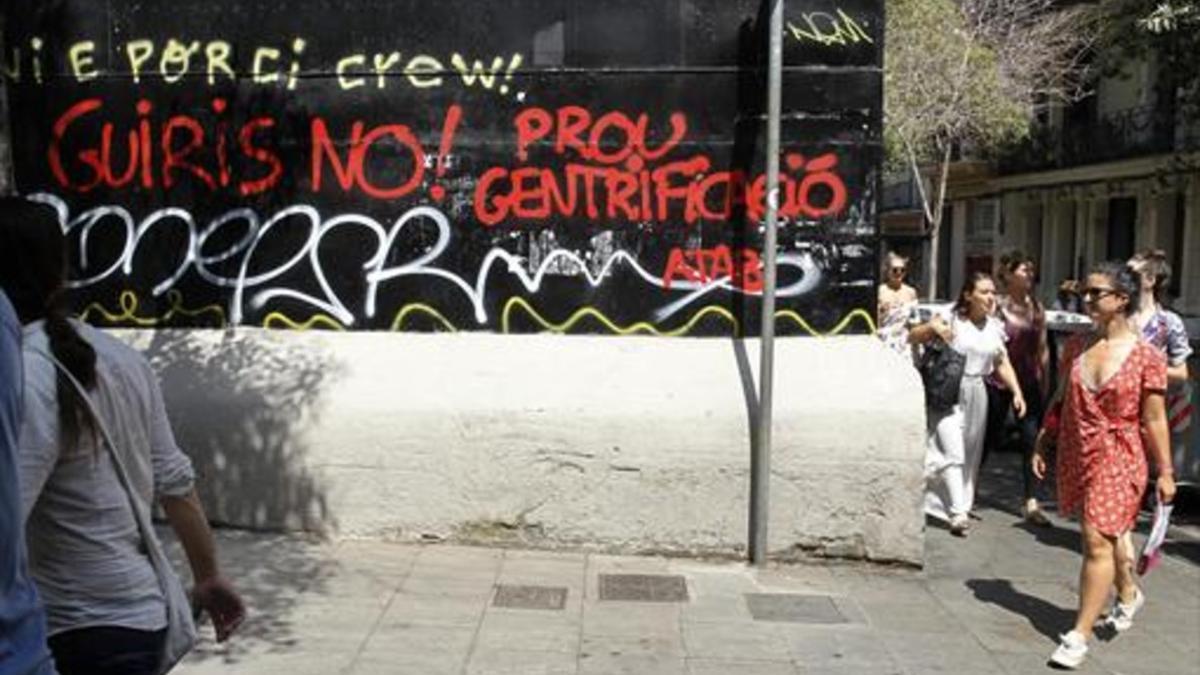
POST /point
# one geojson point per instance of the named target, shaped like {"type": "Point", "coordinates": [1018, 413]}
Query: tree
{"type": "Point", "coordinates": [1171, 17]}
{"type": "Point", "coordinates": [1167, 33]}
{"type": "Point", "coordinates": [971, 75]}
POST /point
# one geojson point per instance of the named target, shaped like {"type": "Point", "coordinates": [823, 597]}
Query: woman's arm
{"type": "Point", "coordinates": [1154, 422]}
{"type": "Point", "coordinates": [1178, 348]}
{"type": "Point", "coordinates": [935, 327]}
{"type": "Point", "coordinates": [1179, 373]}
{"type": "Point", "coordinates": [211, 591]}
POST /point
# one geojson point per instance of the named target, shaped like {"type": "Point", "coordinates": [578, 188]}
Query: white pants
{"type": "Point", "coordinates": [953, 452]}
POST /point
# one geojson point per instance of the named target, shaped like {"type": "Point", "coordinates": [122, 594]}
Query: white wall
{"type": "Point", "coordinates": [625, 443]}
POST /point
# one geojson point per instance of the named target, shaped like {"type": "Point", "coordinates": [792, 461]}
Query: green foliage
{"type": "Point", "coordinates": [1169, 17]}
{"type": "Point", "coordinates": [945, 85]}
{"type": "Point", "coordinates": [969, 76]}
{"type": "Point", "coordinates": [1167, 33]}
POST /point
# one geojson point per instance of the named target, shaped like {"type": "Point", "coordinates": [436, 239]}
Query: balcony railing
{"type": "Point", "coordinates": [1123, 134]}
{"type": "Point", "coordinates": [901, 195]}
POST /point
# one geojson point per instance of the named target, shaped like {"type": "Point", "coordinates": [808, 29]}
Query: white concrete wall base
{"type": "Point", "coordinates": [629, 444]}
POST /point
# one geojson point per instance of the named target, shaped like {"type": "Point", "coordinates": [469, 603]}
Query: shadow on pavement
{"type": "Point", "coordinates": [1045, 617]}
{"type": "Point", "coordinates": [273, 573]}
{"type": "Point", "coordinates": [238, 402]}
{"type": "Point", "coordinates": [1052, 535]}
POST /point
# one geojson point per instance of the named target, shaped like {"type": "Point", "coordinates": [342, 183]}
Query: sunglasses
{"type": "Point", "coordinates": [1094, 294]}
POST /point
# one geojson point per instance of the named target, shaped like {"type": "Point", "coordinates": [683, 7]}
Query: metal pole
{"type": "Point", "coordinates": [760, 458]}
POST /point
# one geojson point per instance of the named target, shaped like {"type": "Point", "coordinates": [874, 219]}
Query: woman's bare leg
{"type": "Point", "coordinates": [1124, 557]}
{"type": "Point", "coordinates": [1096, 577]}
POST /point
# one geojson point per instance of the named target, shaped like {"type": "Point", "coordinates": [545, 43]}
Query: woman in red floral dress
{"type": "Point", "coordinates": [1112, 387]}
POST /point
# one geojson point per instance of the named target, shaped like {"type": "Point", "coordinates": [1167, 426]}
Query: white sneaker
{"type": "Point", "coordinates": [1072, 650]}
{"type": "Point", "coordinates": [1120, 618]}
{"type": "Point", "coordinates": [959, 525]}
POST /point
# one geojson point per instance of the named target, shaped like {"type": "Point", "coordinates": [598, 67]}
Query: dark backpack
{"type": "Point", "coordinates": [941, 370]}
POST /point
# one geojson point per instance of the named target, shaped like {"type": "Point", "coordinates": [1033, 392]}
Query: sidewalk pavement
{"type": "Point", "coordinates": [992, 603]}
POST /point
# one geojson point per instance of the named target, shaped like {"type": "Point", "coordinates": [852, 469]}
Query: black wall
{"type": "Point", "coordinates": [599, 170]}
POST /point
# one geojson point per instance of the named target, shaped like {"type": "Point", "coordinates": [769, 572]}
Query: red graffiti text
{"type": "Point", "coordinates": [741, 266]}
{"type": "Point", "coordinates": [86, 152]}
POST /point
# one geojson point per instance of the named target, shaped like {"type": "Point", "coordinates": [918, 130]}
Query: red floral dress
{"type": "Point", "coordinates": [1102, 468]}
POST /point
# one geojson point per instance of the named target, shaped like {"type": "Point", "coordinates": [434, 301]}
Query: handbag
{"type": "Point", "coordinates": [941, 368]}
{"type": "Point", "coordinates": [181, 629]}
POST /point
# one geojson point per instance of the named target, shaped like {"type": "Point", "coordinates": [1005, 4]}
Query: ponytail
{"type": "Point", "coordinates": [71, 350]}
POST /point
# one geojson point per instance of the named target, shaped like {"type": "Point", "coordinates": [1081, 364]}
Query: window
{"type": "Point", "coordinates": [1122, 221]}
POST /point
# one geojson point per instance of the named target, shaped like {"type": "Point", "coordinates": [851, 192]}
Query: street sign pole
{"type": "Point", "coordinates": [760, 457]}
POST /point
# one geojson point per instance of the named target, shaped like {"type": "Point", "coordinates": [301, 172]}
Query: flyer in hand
{"type": "Point", "coordinates": [1152, 551]}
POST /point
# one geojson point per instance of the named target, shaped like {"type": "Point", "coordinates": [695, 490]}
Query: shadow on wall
{"type": "Point", "coordinates": [238, 403]}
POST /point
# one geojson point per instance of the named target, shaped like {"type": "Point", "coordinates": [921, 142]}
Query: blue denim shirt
{"type": "Point", "coordinates": [23, 649]}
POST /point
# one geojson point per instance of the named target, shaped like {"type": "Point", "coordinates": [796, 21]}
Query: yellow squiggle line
{"type": "Point", "coordinates": [129, 302]}
{"type": "Point", "coordinates": [841, 326]}
{"type": "Point", "coordinates": [398, 322]}
{"type": "Point", "coordinates": [640, 326]}
{"type": "Point", "coordinates": [284, 320]}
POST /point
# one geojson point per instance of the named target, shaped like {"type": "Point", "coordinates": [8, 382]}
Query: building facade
{"type": "Point", "coordinates": [1098, 180]}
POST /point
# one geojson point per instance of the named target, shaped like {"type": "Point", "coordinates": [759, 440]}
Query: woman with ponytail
{"type": "Point", "coordinates": [106, 605]}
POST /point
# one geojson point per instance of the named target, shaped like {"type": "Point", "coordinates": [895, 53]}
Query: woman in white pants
{"type": "Point", "coordinates": [955, 443]}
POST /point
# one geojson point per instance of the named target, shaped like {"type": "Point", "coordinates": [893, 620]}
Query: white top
{"type": "Point", "coordinates": [983, 347]}
{"type": "Point", "coordinates": [84, 548]}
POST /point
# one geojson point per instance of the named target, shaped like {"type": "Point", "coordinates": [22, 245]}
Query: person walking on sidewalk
{"type": "Point", "coordinates": [896, 303]}
{"type": "Point", "coordinates": [1024, 321]}
{"type": "Point", "coordinates": [107, 605]}
{"type": "Point", "coordinates": [23, 648]}
{"type": "Point", "coordinates": [1113, 385]}
{"type": "Point", "coordinates": [954, 447]}
{"type": "Point", "coordinates": [1166, 331]}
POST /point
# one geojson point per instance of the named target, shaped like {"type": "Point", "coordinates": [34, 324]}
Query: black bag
{"type": "Point", "coordinates": [941, 370]}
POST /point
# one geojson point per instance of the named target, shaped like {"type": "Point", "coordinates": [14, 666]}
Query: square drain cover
{"type": "Point", "coordinates": [530, 597]}
{"type": "Point", "coordinates": [643, 587]}
{"type": "Point", "coordinates": [794, 608]}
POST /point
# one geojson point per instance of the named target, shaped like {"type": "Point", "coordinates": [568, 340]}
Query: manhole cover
{"type": "Point", "coordinates": [530, 597]}
{"type": "Point", "coordinates": [643, 587]}
{"type": "Point", "coordinates": [794, 608]}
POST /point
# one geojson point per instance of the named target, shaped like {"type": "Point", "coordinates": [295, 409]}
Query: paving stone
{"type": "Point", "coordinates": [736, 640]}
{"type": "Point", "coordinates": [837, 646]}
{"type": "Point", "coordinates": [1142, 653]}
{"type": "Point", "coordinates": [794, 608]}
{"type": "Point", "coordinates": [1035, 661]}
{"type": "Point", "coordinates": [530, 597]}
{"type": "Point", "coordinates": [499, 661]}
{"type": "Point", "coordinates": [728, 667]}
{"type": "Point", "coordinates": [435, 610]}
{"type": "Point", "coordinates": [420, 663]}
{"type": "Point", "coordinates": [715, 609]}
{"type": "Point", "coordinates": [478, 586]}
{"type": "Point", "coordinates": [405, 640]}
{"type": "Point", "coordinates": [643, 587]}
{"type": "Point", "coordinates": [928, 618]}
{"type": "Point", "coordinates": [544, 632]}
{"type": "Point", "coordinates": [630, 618]}
{"type": "Point", "coordinates": [295, 663]}
{"type": "Point", "coordinates": [669, 646]}
{"type": "Point", "coordinates": [932, 653]}
{"type": "Point", "coordinates": [605, 664]}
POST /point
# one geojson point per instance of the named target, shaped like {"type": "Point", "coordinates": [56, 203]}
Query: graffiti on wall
{"type": "Point", "coordinates": [578, 169]}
